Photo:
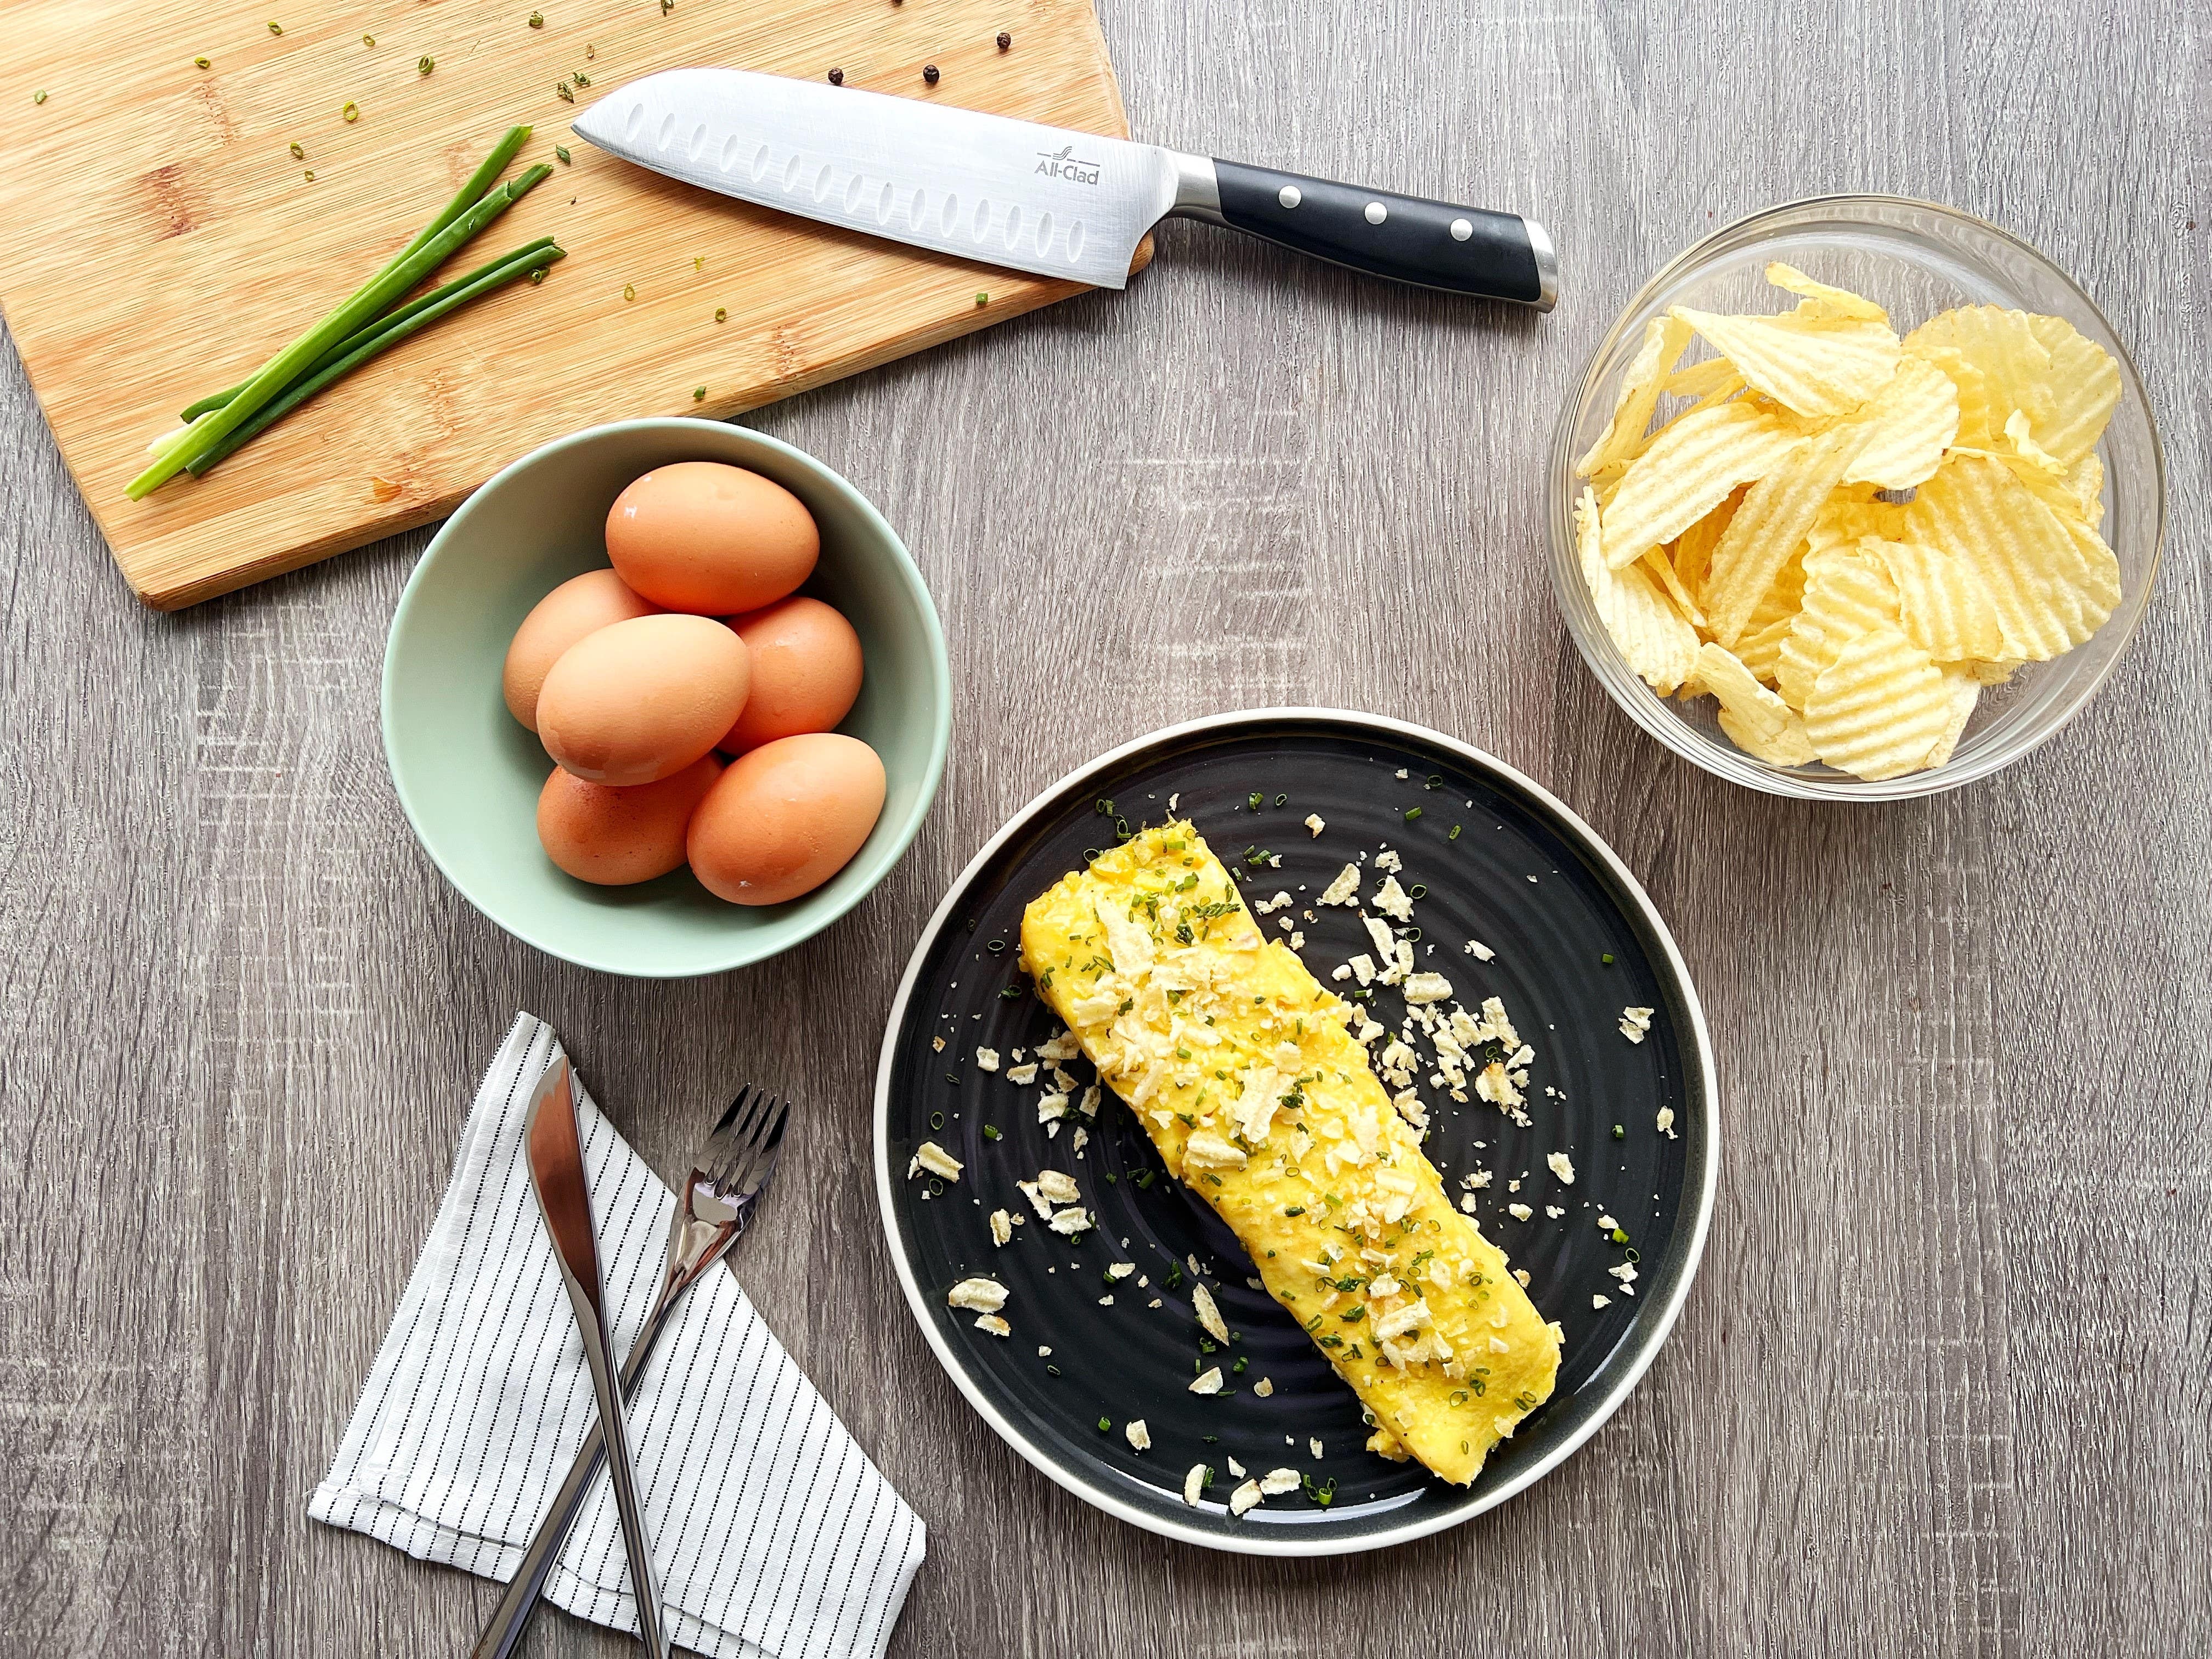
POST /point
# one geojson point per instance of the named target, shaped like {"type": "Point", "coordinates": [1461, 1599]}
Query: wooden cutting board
{"type": "Point", "coordinates": [162, 242]}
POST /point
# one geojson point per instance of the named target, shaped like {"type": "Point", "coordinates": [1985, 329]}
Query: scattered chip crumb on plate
{"type": "Point", "coordinates": [978, 1295]}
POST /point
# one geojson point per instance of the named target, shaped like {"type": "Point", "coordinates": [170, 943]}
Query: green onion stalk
{"type": "Point", "coordinates": [474, 206]}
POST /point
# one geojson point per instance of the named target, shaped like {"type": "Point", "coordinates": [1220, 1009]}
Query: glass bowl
{"type": "Point", "coordinates": [1915, 259]}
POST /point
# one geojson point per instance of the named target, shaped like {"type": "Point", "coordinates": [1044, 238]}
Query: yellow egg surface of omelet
{"type": "Point", "coordinates": [1239, 1065]}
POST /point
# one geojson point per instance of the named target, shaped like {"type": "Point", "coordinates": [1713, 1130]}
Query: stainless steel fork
{"type": "Point", "coordinates": [729, 1173]}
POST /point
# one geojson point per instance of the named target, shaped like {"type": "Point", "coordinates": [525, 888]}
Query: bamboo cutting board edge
{"type": "Point", "coordinates": [404, 441]}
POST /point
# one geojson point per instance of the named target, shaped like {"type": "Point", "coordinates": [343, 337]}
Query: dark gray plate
{"type": "Point", "coordinates": [1129, 1360]}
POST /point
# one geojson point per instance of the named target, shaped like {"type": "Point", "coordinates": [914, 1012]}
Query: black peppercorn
{"type": "Point", "coordinates": [929, 73]}
{"type": "Point", "coordinates": [836, 77]}
{"type": "Point", "coordinates": [1005, 41]}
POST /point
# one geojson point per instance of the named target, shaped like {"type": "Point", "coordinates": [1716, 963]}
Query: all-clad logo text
{"type": "Point", "coordinates": [1063, 166]}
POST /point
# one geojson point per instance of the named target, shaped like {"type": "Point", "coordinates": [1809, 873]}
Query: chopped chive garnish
{"type": "Point", "coordinates": [721, 314]}
{"type": "Point", "coordinates": [1105, 1424]}
{"type": "Point", "coordinates": [352, 112]}
{"type": "Point", "coordinates": [561, 153]}
{"type": "Point", "coordinates": [1634, 1255]}
{"type": "Point", "coordinates": [936, 1187]}
{"type": "Point", "coordinates": [1619, 1235]}
{"type": "Point", "coordinates": [1454, 833]}
{"type": "Point", "coordinates": [629, 290]}
{"type": "Point", "coordinates": [1607, 958]}
{"type": "Point", "coordinates": [698, 394]}
{"type": "Point", "coordinates": [1434, 780]}
{"type": "Point", "coordinates": [1620, 1133]}
{"type": "Point", "coordinates": [1253, 800]}
{"type": "Point", "coordinates": [1051, 1370]}
{"type": "Point", "coordinates": [199, 62]}
{"type": "Point", "coordinates": [1280, 799]}
{"type": "Point", "coordinates": [937, 1120]}
{"type": "Point", "coordinates": [425, 64]}
{"type": "Point", "coordinates": [1412, 813]}
{"type": "Point", "coordinates": [276, 29]}
{"type": "Point", "coordinates": [537, 20]}
{"type": "Point", "coordinates": [1419, 890]}
{"type": "Point", "coordinates": [561, 91]}
{"type": "Point", "coordinates": [990, 1132]}
{"type": "Point", "coordinates": [1296, 1209]}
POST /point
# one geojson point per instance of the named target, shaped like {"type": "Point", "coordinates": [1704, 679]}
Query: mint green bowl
{"type": "Point", "coordinates": [469, 775]}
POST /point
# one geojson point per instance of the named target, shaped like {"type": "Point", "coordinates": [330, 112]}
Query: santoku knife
{"type": "Point", "coordinates": [1038, 198]}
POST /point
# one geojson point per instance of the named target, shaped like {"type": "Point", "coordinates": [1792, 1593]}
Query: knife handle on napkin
{"type": "Point", "coordinates": [1462, 250]}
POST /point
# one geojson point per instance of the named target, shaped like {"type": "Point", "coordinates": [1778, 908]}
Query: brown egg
{"type": "Point", "coordinates": [711, 539]}
{"type": "Point", "coordinates": [785, 818]}
{"type": "Point", "coordinates": [806, 671]}
{"type": "Point", "coordinates": [640, 700]}
{"type": "Point", "coordinates": [617, 836]}
{"type": "Point", "coordinates": [582, 604]}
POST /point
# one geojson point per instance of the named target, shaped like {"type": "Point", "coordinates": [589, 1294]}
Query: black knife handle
{"type": "Point", "coordinates": [1462, 250]}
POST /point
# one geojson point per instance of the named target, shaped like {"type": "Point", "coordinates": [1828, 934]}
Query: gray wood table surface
{"type": "Point", "coordinates": [1945, 1383]}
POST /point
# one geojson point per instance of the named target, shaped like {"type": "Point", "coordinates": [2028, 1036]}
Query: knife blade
{"type": "Point", "coordinates": [1034, 197]}
{"type": "Point", "coordinates": [556, 1155]}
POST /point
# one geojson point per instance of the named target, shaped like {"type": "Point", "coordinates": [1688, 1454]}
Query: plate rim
{"type": "Point", "coordinates": [1257, 1542]}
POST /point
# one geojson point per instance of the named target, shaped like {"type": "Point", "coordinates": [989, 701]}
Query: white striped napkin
{"type": "Point", "coordinates": [773, 1532]}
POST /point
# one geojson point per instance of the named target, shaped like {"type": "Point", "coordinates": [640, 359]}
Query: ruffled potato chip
{"type": "Point", "coordinates": [1782, 599]}
{"type": "Point", "coordinates": [1849, 516]}
{"type": "Point", "coordinates": [1767, 529]}
{"type": "Point", "coordinates": [1812, 366]}
{"type": "Point", "coordinates": [1879, 708]}
{"type": "Point", "coordinates": [1715, 378]}
{"type": "Point", "coordinates": [2053, 580]}
{"type": "Point", "coordinates": [1663, 340]}
{"type": "Point", "coordinates": [1832, 301]}
{"type": "Point", "coordinates": [1912, 421]}
{"type": "Point", "coordinates": [1848, 593]}
{"type": "Point", "coordinates": [1693, 548]}
{"type": "Point", "coordinates": [1756, 720]}
{"type": "Point", "coordinates": [2085, 389]}
{"type": "Point", "coordinates": [1978, 424]}
{"type": "Point", "coordinates": [1652, 636]}
{"type": "Point", "coordinates": [1964, 690]}
{"type": "Point", "coordinates": [2014, 365]}
{"type": "Point", "coordinates": [1656, 564]}
{"type": "Point", "coordinates": [1944, 606]}
{"type": "Point", "coordinates": [1760, 649]}
{"type": "Point", "coordinates": [2088, 482]}
{"type": "Point", "coordinates": [1689, 469]}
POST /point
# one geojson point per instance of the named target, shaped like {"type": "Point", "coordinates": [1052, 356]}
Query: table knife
{"type": "Point", "coordinates": [1032, 198]}
{"type": "Point", "coordinates": [556, 1153]}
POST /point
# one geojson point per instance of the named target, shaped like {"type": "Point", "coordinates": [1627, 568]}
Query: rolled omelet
{"type": "Point", "coordinates": [1240, 1066]}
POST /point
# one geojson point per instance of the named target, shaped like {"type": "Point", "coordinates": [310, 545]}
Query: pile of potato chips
{"type": "Point", "coordinates": [1844, 536]}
